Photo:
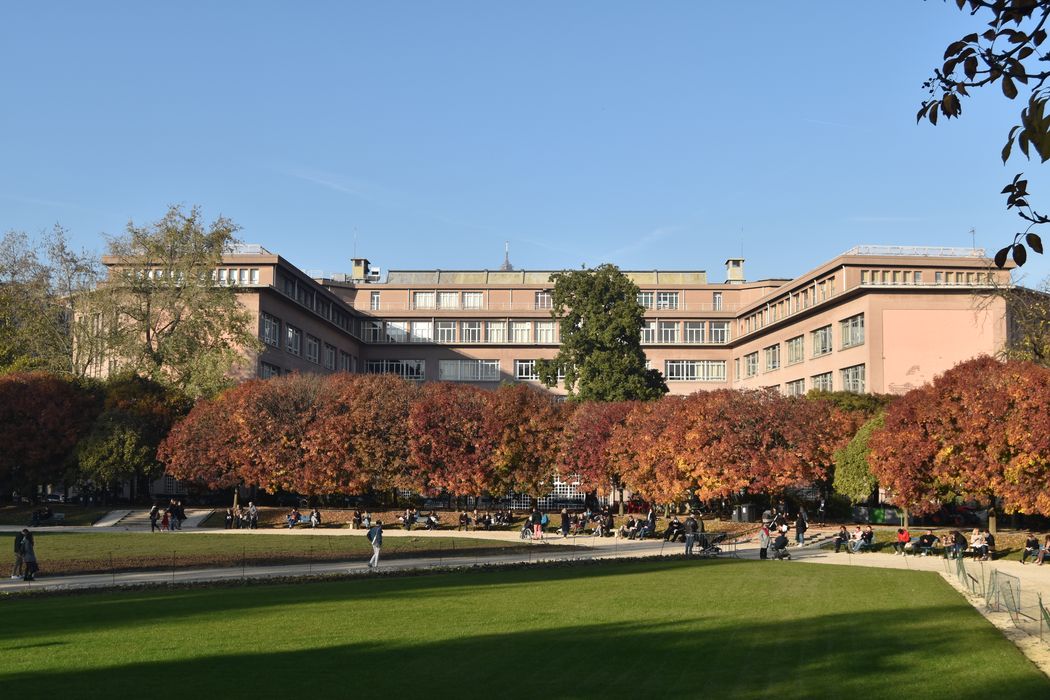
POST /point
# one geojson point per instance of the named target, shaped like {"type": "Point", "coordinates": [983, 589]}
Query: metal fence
{"type": "Point", "coordinates": [1003, 592]}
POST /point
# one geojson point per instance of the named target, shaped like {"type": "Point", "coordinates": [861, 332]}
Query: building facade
{"type": "Point", "coordinates": [874, 319]}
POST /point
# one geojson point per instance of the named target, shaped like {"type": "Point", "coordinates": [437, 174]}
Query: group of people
{"type": "Point", "coordinates": [241, 518]}
{"type": "Point", "coordinates": [486, 520]}
{"type": "Point", "coordinates": [773, 536]}
{"type": "Point", "coordinates": [169, 519]}
{"type": "Point", "coordinates": [600, 521]}
{"type": "Point", "coordinates": [294, 518]}
{"type": "Point", "coordinates": [1033, 550]}
{"type": "Point", "coordinates": [411, 517]}
{"type": "Point", "coordinates": [862, 538]}
{"type": "Point", "coordinates": [25, 566]}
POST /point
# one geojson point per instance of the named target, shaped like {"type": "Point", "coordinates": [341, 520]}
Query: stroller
{"type": "Point", "coordinates": [709, 545]}
{"type": "Point", "coordinates": [778, 552]}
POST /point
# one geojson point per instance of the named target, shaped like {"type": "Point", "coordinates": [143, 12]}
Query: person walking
{"type": "Point", "coordinates": [253, 516]}
{"type": "Point", "coordinates": [19, 565]}
{"type": "Point", "coordinates": [800, 529]}
{"type": "Point", "coordinates": [536, 519]}
{"type": "Point", "coordinates": [29, 556]}
{"type": "Point", "coordinates": [763, 541]}
{"type": "Point", "coordinates": [690, 534]}
{"type": "Point", "coordinates": [375, 537]}
{"type": "Point", "coordinates": [564, 522]}
{"type": "Point", "coordinates": [154, 514]}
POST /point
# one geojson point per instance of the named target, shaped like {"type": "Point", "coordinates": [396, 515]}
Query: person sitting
{"type": "Point", "coordinates": [432, 521]}
{"type": "Point", "coordinates": [1044, 552]}
{"type": "Point", "coordinates": [903, 538]}
{"type": "Point", "coordinates": [989, 545]}
{"type": "Point", "coordinates": [1031, 548]}
{"type": "Point", "coordinates": [978, 545]}
{"type": "Point", "coordinates": [926, 543]}
{"type": "Point", "coordinates": [293, 518]}
{"type": "Point", "coordinates": [627, 528]}
{"type": "Point", "coordinates": [356, 522]}
{"type": "Point", "coordinates": [864, 541]}
{"type": "Point", "coordinates": [841, 538]}
{"type": "Point", "coordinates": [674, 530]}
{"type": "Point", "coordinates": [780, 547]}
{"type": "Point", "coordinates": [315, 518]}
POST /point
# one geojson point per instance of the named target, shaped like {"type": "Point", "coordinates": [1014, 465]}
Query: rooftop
{"type": "Point", "coordinates": [916, 251]}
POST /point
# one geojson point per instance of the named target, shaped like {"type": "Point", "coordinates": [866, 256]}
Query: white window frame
{"type": "Point", "coordinates": [473, 300]}
{"type": "Point", "coordinates": [270, 332]}
{"type": "Point", "coordinates": [795, 388]}
{"type": "Point", "coordinates": [852, 331]}
{"type": "Point", "coordinates": [648, 332]}
{"type": "Point", "coordinates": [525, 370]}
{"type": "Point", "coordinates": [422, 332]}
{"type": "Point", "coordinates": [521, 332]}
{"type": "Point", "coordinates": [445, 332]}
{"type": "Point", "coordinates": [495, 332]}
{"type": "Point", "coordinates": [470, 331]}
{"type": "Point", "coordinates": [822, 382]}
{"type": "Point", "coordinates": [772, 357]}
{"type": "Point", "coordinates": [468, 370]}
{"type": "Point", "coordinates": [423, 300]}
{"type": "Point", "coordinates": [667, 300]}
{"type": "Point", "coordinates": [751, 364]}
{"type": "Point", "coordinates": [414, 370]}
{"type": "Point", "coordinates": [447, 300]}
{"type": "Point", "coordinates": [853, 378]}
{"type": "Point", "coordinates": [646, 299]}
{"type": "Point", "coordinates": [374, 301]}
{"type": "Point", "coordinates": [313, 349]}
{"type": "Point", "coordinates": [544, 300]}
{"type": "Point", "coordinates": [719, 332]}
{"type": "Point", "coordinates": [667, 332]}
{"type": "Point", "coordinates": [822, 341]}
{"type": "Point", "coordinates": [293, 340]}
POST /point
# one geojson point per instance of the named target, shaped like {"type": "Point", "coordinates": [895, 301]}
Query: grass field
{"type": "Point", "coordinates": [103, 552]}
{"type": "Point", "coordinates": [642, 629]}
{"type": "Point", "coordinates": [74, 514]}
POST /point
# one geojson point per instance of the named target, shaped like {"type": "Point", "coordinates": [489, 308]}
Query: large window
{"type": "Point", "coordinates": [694, 332]}
{"type": "Point", "coordinates": [645, 299]}
{"type": "Point", "coordinates": [648, 332]}
{"type": "Point", "coordinates": [423, 300]}
{"type": "Point", "coordinates": [716, 301]}
{"type": "Point", "coordinates": [473, 300]}
{"type": "Point", "coordinates": [796, 388]}
{"type": "Point", "coordinates": [545, 332]}
{"type": "Point", "coordinates": [345, 362]}
{"type": "Point", "coordinates": [543, 300]}
{"type": "Point", "coordinates": [374, 301]}
{"type": "Point", "coordinates": [313, 349]}
{"type": "Point", "coordinates": [396, 331]}
{"type": "Point", "coordinates": [853, 379]}
{"type": "Point", "coordinates": [293, 340]}
{"type": "Point", "coordinates": [266, 370]}
{"type": "Point", "coordinates": [751, 364]}
{"type": "Point", "coordinates": [821, 382]}
{"type": "Point", "coordinates": [270, 329]}
{"type": "Point", "coordinates": [446, 331]}
{"type": "Point", "coordinates": [852, 331]}
{"type": "Point", "coordinates": [495, 331]}
{"type": "Point", "coordinates": [406, 369]}
{"type": "Point", "coordinates": [695, 370]}
{"type": "Point", "coordinates": [448, 300]}
{"type": "Point", "coordinates": [667, 300]}
{"type": "Point", "coordinates": [329, 356]}
{"type": "Point", "coordinates": [772, 357]}
{"type": "Point", "coordinates": [525, 370]}
{"type": "Point", "coordinates": [422, 331]}
{"type": "Point", "coordinates": [668, 331]}
{"type": "Point", "coordinates": [796, 349]}
{"type": "Point", "coordinates": [470, 331]}
{"type": "Point", "coordinates": [468, 370]}
{"type": "Point", "coordinates": [521, 331]}
{"type": "Point", "coordinates": [821, 341]}
{"type": "Point", "coordinates": [372, 331]}
{"type": "Point", "coordinates": [719, 332]}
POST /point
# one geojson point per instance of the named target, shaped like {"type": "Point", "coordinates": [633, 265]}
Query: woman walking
{"type": "Point", "coordinates": [29, 556]}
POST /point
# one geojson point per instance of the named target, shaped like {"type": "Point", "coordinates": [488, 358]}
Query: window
{"type": "Point", "coordinates": [694, 332]}
{"type": "Point", "coordinates": [470, 331]}
{"type": "Point", "coordinates": [423, 300]}
{"type": "Point", "coordinates": [254, 272]}
{"type": "Point", "coordinates": [344, 361]}
{"type": "Point", "coordinates": [313, 349]}
{"type": "Point", "coordinates": [329, 356]}
{"type": "Point", "coordinates": [821, 341]}
{"type": "Point", "coordinates": [222, 280]}
{"type": "Point", "coordinates": [751, 364]}
{"type": "Point", "coordinates": [270, 332]}
{"type": "Point", "coordinates": [446, 331]}
{"type": "Point", "coordinates": [852, 331]}
{"type": "Point", "coordinates": [668, 331]}
{"type": "Point", "coordinates": [525, 370]}
{"type": "Point", "coordinates": [667, 300]}
{"type": "Point", "coordinates": [448, 300]}
{"type": "Point", "coordinates": [468, 370]}
{"type": "Point", "coordinates": [406, 369]}
{"type": "Point", "coordinates": [372, 331]}
{"type": "Point", "coordinates": [243, 275]}
{"type": "Point", "coordinates": [853, 379]}
{"type": "Point", "coordinates": [543, 300]}
{"type": "Point", "coordinates": [473, 300]}
{"type": "Point", "coordinates": [736, 368]}
{"type": "Point", "coordinates": [648, 332]}
{"type": "Point", "coordinates": [719, 332]}
{"type": "Point", "coordinates": [917, 276]}
{"type": "Point", "coordinates": [821, 382]}
{"type": "Point", "coordinates": [863, 276]}
{"type": "Point", "coordinates": [294, 340]}
{"type": "Point", "coordinates": [795, 350]}
{"type": "Point", "coordinates": [521, 331]}
{"type": "Point", "coordinates": [495, 331]}
{"type": "Point", "coordinates": [266, 370]}
{"type": "Point", "coordinates": [772, 357]}
{"type": "Point", "coordinates": [545, 332]}
{"type": "Point", "coordinates": [422, 331]}
{"type": "Point", "coordinates": [396, 331]}
{"type": "Point", "coordinates": [374, 303]}
{"type": "Point", "coordinates": [695, 370]}
{"type": "Point", "coordinates": [645, 299]}
{"type": "Point", "coordinates": [796, 388]}
{"type": "Point", "coordinates": [938, 278]}
{"type": "Point", "coordinates": [716, 301]}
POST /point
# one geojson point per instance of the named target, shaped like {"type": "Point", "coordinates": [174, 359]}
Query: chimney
{"type": "Point", "coordinates": [735, 271]}
{"type": "Point", "coordinates": [359, 269]}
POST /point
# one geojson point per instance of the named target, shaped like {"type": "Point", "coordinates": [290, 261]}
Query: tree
{"type": "Point", "coordinates": [42, 418]}
{"type": "Point", "coordinates": [528, 429]}
{"type": "Point", "coordinates": [204, 447]}
{"type": "Point", "coordinates": [46, 303]}
{"type": "Point", "coordinates": [601, 353]}
{"type": "Point", "coordinates": [1006, 52]}
{"type": "Point", "coordinates": [168, 318]}
{"type": "Point", "coordinates": [1028, 324]}
{"type": "Point", "coordinates": [586, 441]}
{"type": "Point", "coordinates": [647, 449]}
{"type": "Point", "coordinates": [853, 477]}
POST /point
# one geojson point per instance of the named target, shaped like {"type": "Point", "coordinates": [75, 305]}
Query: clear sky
{"type": "Point", "coordinates": [648, 134]}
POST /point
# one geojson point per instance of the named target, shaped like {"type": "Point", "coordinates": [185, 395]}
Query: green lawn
{"type": "Point", "coordinates": [74, 514]}
{"type": "Point", "coordinates": [642, 629]}
{"type": "Point", "coordinates": [103, 552]}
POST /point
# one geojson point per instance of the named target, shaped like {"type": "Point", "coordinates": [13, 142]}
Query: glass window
{"type": "Point", "coordinates": [719, 332]}
{"type": "Point", "coordinates": [751, 364]}
{"type": "Point", "coordinates": [525, 370]}
{"type": "Point", "coordinates": [374, 301]}
{"type": "Point", "coordinates": [821, 341]}
{"type": "Point", "coordinates": [446, 331]}
{"type": "Point", "coordinates": [406, 369]}
{"type": "Point", "coordinates": [313, 349]}
{"type": "Point", "coordinates": [329, 356]}
{"type": "Point", "coordinates": [796, 388]}
{"type": "Point", "coordinates": [795, 350]}
{"type": "Point", "coordinates": [543, 300]}
{"type": "Point", "coordinates": [344, 361]}
{"type": "Point", "coordinates": [648, 332]}
{"type": "Point", "coordinates": [521, 331]}
{"type": "Point", "coordinates": [470, 331]}
{"type": "Point", "coordinates": [917, 276]}
{"type": "Point", "coordinates": [468, 370]}
{"type": "Point", "coordinates": [668, 331]}
{"type": "Point", "coordinates": [255, 275]}
{"type": "Point", "coordinates": [396, 331]}
{"type": "Point", "coordinates": [270, 331]}
{"type": "Point", "coordinates": [266, 370]}
{"type": "Point", "coordinates": [645, 299]}
{"type": "Point", "coordinates": [473, 300]}
{"type": "Point", "coordinates": [938, 278]}
{"type": "Point", "coordinates": [448, 300]}
{"type": "Point", "coordinates": [373, 331]}
{"type": "Point", "coordinates": [694, 332]}
{"type": "Point", "coordinates": [423, 300]}
{"type": "Point", "coordinates": [695, 370]}
{"type": "Point", "coordinates": [716, 301]}
{"type": "Point", "coordinates": [772, 357]}
{"type": "Point", "coordinates": [495, 331]}
{"type": "Point", "coordinates": [422, 331]}
{"type": "Point", "coordinates": [821, 382]}
{"type": "Point", "coordinates": [852, 331]}
{"type": "Point", "coordinates": [667, 300]}
{"type": "Point", "coordinates": [853, 379]}
{"type": "Point", "coordinates": [294, 340]}
{"type": "Point", "coordinates": [545, 332]}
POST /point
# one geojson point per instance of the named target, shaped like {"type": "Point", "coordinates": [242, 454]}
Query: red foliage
{"type": "Point", "coordinates": [527, 425]}
{"type": "Point", "coordinates": [204, 446]}
{"type": "Point", "coordinates": [586, 441]}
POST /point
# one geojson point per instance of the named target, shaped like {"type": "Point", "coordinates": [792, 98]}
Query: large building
{"type": "Point", "coordinates": [874, 319]}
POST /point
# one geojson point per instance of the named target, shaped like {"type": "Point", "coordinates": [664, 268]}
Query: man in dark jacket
{"type": "Point", "coordinates": [690, 534]}
{"type": "Point", "coordinates": [17, 569]}
{"type": "Point", "coordinates": [780, 545]}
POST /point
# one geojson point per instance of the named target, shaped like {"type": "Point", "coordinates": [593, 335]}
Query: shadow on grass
{"type": "Point", "coordinates": [865, 654]}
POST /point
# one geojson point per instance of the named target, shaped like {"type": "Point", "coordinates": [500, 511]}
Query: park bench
{"type": "Point", "coordinates": [55, 519]}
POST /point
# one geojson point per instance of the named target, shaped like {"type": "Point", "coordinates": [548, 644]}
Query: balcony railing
{"type": "Point", "coordinates": [365, 305]}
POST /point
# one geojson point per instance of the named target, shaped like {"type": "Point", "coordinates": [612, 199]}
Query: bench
{"type": "Point", "coordinates": [55, 519]}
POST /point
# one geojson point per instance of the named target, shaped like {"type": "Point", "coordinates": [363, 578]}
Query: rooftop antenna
{"type": "Point", "coordinates": [973, 238]}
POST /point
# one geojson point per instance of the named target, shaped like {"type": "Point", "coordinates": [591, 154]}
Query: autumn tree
{"type": "Point", "coordinates": [204, 447]}
{"type": "Point", "coordinates": [601, 353]}
{"type": "Point", "coordinates": [42, 418]}
{"type": "Point", "coordinates": [527, 429]}
{"type": "Point", "coordinates": [1008, 52]}
{"type": "Point", "coordinates": [584, 452]}
{"type": "Point", "coordinates": [1028, 324]}
{"type": "Point", "coordinates": [167, 317]}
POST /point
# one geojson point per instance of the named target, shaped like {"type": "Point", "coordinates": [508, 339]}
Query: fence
{"type": "Point", "coordinates": [1003, 592]}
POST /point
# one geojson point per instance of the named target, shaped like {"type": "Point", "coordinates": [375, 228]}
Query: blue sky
{"type": "Point", "coordinates": [653, 135]}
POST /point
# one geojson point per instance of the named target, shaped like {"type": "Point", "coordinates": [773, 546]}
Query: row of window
{"type": "Point", "coordinates": [303, 293]}
{"type": "Point", "coordinates": [520, 332]}
{"type": "Point", "coordinates": [851, 379]}
{"type": "Point", "coordinates": [915, 277]}
{"type": "Point", "coordinates": [685, 332]}
{"type": "Point", "coordinates": [295, 342]}
{"type": "Point", "coordinates": [541, 300]}
{"type": "Point", "coordinates": [789, 304]}
{"type": "Point", "coordinates": [236, 275]}
{"type": "Point", "coordinates": [851, 335]}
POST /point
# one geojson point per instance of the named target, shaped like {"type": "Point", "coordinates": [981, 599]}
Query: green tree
{"type": "Point", "coordinates": [601, 353]}
{"type": "Point", "coordinates": [171, 321]}
{"type": "Point", "coordinates": [853, 477]}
